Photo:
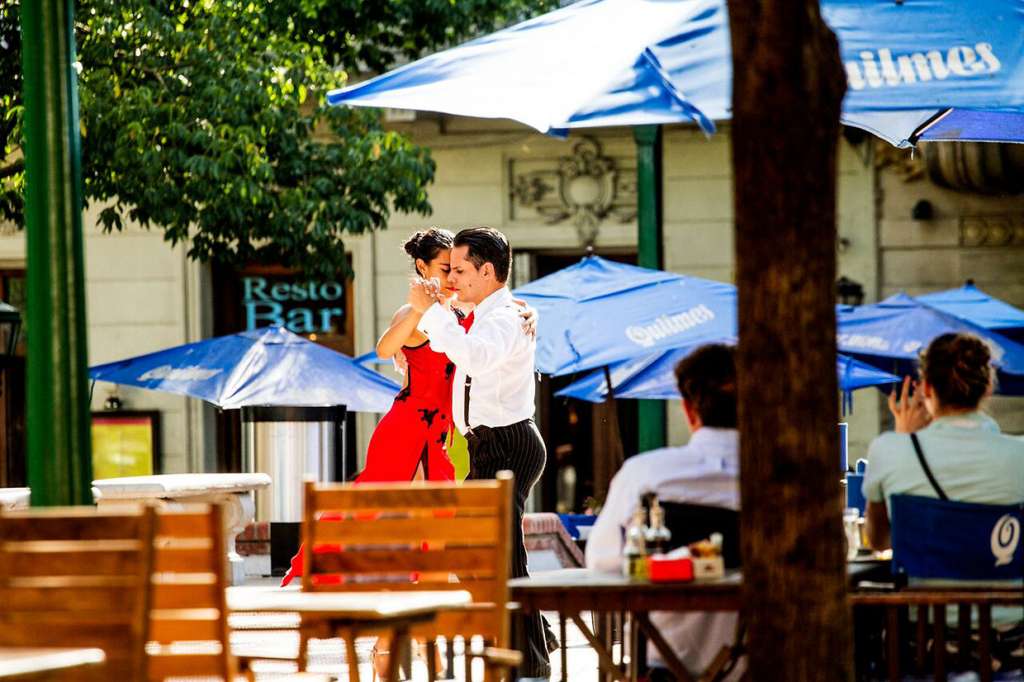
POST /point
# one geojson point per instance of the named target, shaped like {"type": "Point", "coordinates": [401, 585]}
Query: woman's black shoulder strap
{"type": "Point", "coordinates": [927, 469]}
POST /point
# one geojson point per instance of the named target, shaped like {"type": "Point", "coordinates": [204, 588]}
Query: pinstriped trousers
{"type": "Point", "coordinates": [519, 449]}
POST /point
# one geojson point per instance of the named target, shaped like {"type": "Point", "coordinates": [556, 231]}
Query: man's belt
{"type": "Point", "coordinates": [479, 434]}
{"type": "Point", "coordinates": [484, 434]}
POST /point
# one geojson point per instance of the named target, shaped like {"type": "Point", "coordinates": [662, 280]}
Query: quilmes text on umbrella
{"type": "Point", "coordinates": [868, 343]}
{"type": "Point", "coordinates": [878, 68]}
{"type": "Point", "coordinates": [665, 326]}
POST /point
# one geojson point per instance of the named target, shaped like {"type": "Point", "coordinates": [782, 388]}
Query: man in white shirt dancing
{"type": "Point", "coordinates": [493, 391]}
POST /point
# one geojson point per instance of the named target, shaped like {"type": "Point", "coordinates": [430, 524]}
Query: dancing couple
{"type": "Point", "coordinates": [468, 347]}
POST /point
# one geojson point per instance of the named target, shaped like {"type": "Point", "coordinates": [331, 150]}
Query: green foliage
{"type": "Point", "coordinates": [207, 119]}
{"type": "Point", "coordinates": [12, 179]}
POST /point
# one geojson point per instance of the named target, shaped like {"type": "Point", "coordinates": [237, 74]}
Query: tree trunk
{"type": "Point", "coordinates": [788, 85]}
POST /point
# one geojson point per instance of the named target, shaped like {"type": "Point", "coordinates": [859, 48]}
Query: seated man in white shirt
{"type": "Point", "coordinates": [704, 472]}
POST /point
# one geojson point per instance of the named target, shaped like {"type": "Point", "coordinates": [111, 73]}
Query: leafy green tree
{"type": "Point", "coordinates": [207, 118]}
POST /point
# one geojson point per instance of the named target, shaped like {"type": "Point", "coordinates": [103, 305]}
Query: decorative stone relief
{"type": "Point", "coordinates": [585, 189]}
{"type": "Point", "coordinates": [906, 164]}
{"type": "Point", "coordinates": [992, 230]}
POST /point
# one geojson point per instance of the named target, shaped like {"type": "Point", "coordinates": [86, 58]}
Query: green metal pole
{"type": "Point", "coordinates": [651, 413]}
{"type": "Point", "coordinates": [59, 453]}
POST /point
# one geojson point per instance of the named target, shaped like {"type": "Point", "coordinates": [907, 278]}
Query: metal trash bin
{"type": "Point", "coordinates": [289, 444]}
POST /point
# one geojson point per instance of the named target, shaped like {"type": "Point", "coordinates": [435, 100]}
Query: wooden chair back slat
{"type": "Point", "coordinates": [188, 557]}
{"type": "Point", "coordinates": [60, 558]}
{"type": "Point", "coordinates": [186, 525]}
{"type": "Point", "coordinates": [415, 536]}
{"type": "Point", "coordinates": [192, 594]}
{"type": "Point", "coordinates": [474, 529]}
{"type": "Point", "coordinates": [429, 495]}
{"type": "Point", "coordinates": [189, 599]}
{"type": "Point", "coordinates": [73, 596]}
{"type": "Point", "coordinates": [185, 625]}
{"type": "Point", "coordinates": [75, 524]}
{"type": "Point", "coordinates": [183, 665]}
{"type": "Point", "coordinates": [78, 577]}
{"type": "Point", "coordinates": [453, 559]}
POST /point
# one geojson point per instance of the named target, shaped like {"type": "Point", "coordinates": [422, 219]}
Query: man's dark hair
{"type": "Point", "coordinates": [487, 245]}
{"type": "Point", "coordinates": [707, 380]}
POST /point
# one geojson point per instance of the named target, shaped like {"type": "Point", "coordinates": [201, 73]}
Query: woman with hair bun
{"type": "Point", "coordinates": [969, 457]}
{"type": "Point", "coordinates": [409, 442]}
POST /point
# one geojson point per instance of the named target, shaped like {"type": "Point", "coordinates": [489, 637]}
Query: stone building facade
{"type": "Point", "coordinates": [554, 198]}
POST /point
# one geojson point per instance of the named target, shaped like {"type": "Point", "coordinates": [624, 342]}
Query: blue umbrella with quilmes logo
{"type": "Point", "coordinates": [598, 312]}
{"type": "Point", "coordinates": [891, 333]}
{"type": "Point", "coordinates": [972, 304]}
{"type": "Point", "coordinates": [915, 69]}
{"type": "Point", "coordinates": [653, 377]}
{"type": "Point", "coordinates": [270, 366]}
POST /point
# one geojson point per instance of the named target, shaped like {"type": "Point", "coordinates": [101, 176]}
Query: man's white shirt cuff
{"type": "Point", "coordinates": [434, 318]}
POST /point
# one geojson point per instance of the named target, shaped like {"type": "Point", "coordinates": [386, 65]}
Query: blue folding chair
{"type": "Point", "coordinates": [947, 540]}
{"type": "Point", "coordinates": [956, 554]}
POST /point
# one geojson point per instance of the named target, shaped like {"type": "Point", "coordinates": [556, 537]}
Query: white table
{"type": "Point", "coordinates": [352, 612]}
{"type": "Point", "coordinates": [234, 491]}
{"type": "Point", "coordinates": [14, 498]}
{"type": "Point", "coordinates": [27, 662]}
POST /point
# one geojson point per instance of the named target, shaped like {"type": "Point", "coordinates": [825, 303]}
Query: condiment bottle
{"type": "Point", "coordinates": [634, 557]}
{"type": "Point", "coordinates": [659, 537]}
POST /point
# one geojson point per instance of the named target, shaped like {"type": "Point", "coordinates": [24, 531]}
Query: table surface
{"type": "Point", "coordinates": [584, 579]}
{"type": "Point", "coordinates": [578, 581]}
{"type": "Point", "coordinates": [29, 660]}
{"type": "Point", "coordinates": [355, 606]}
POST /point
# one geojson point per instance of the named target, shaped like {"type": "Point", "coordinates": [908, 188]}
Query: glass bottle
{"type": "Point", "coordinates": [634, 556]}
{"type": "Point", "coordinates": [659, 537]}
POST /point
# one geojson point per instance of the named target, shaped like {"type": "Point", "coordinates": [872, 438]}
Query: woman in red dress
{"type": "Point", "coordinates": [409, 442]}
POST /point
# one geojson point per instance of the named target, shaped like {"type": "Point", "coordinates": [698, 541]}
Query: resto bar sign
{"type": "Point", "coordinates": [302, 307]}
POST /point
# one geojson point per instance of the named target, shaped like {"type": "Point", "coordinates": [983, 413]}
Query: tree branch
{"type": "Point", "coordinates": [12, 168]}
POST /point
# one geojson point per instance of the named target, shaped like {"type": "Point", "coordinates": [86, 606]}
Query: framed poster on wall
{"type": "Point", "coordinates": [125, 443]}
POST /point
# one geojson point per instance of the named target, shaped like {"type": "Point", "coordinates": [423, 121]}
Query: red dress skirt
{"type": "Point", "coordinates": [409, 442]}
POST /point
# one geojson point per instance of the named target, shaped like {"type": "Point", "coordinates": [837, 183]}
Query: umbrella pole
{"type": "Point", "coordinates": [650, 413]}
{"type": "Point", "coordinates": [617, 449]}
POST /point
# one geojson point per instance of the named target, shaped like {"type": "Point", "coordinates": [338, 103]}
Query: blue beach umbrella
{"type": "Point", "coordinates": [890, 335]}
{"type": "Point", "coordinates": [598, 312]}
{"type": "Point", "coordinates": [972, 304]}
{"type": "Point", "coordinates": [653, 377]}
{"type": "Point", "coordinates": [270, 366]}
{"type": "Point", "coordinates": [916, 69]}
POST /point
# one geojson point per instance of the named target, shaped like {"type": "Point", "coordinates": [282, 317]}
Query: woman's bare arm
{"type": "Point", "coordinates": [402, 332]}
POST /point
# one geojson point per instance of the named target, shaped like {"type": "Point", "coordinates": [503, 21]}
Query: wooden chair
{"type": "Point", "coordinates": [189, 635]}
{"type": "Point", "coordinates": [417, 536]}
{"type": "Point", "coordinates": [188, 621]}
{"type": "Point", "coordinates": [78, 577]}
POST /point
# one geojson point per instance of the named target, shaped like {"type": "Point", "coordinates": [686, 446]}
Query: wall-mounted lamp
{"type": "Point", "coordinates": [923, 210]}
{"type": "Point", "coordinates": [849, 292]}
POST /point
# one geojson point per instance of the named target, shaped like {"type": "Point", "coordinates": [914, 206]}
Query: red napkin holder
{"type": "Point", "coordinates": [662, 570]}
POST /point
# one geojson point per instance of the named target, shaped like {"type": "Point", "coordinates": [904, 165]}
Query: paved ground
{"type": "Point", "coordinates": [328, 656]}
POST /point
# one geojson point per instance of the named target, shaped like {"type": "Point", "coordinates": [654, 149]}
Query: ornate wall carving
{"type": "Point", "coordinates": [584, 189]}
{"type": "Point", "coordinates": [992, 230]}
